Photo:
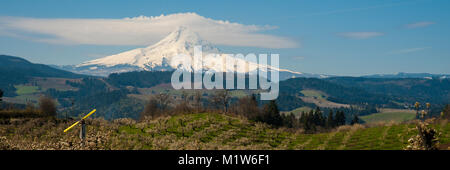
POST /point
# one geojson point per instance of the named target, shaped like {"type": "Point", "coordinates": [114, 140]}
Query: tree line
{"type": "Point", "coordinates": [164, 104]}
{"type": "Point", "coordinates": [46, 108]}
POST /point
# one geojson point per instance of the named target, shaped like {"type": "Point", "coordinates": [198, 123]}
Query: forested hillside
{"type": "Point", "coordinates": [405, 89]}
{"type": "Point", "coordinates": [15, 70]}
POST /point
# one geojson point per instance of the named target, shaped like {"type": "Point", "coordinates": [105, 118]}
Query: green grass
{"type": "Point", "coordinates": [319, 99]}
{"type": "Point", "coordinates": [208, 131]}
{"type": "Point", "coordinates": [23, 99]}
{"type": "Point", "coordinates": [53, 83]}
{"type": "Point", "coordinates": [216, 129]}
{"type": "Point", "coordinates": [24, 90]}
{"type": "Point", "coordinates": [313, 93]}
{"type": "Point", "coordinates": [389, 116]}
{"type": "Point", "coordinates": [298, 111]}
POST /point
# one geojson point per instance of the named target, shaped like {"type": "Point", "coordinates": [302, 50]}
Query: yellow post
{"type": "Point", "coordinates": [76, 123]}
{"type": "Point", "coordinates": [89, 114]}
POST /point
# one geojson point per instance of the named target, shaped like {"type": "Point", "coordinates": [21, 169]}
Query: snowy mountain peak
{"type": "Point", "coordinates": [180, 41]}
{"type": "Point", "coordinates": [180, 35]}
{"type": "Point", "coordinates": [159, 57]}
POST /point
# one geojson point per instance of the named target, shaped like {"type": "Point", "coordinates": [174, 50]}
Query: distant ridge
{"type": "Point", "coordinates": [408, 75]}
{"type": "Point", "coordinates": [16, 65]}
{"type": "Point", "coordinates": [16, 70]}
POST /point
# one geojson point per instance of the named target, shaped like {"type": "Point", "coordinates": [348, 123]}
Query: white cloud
{"type": "Point", "coordinates": [409, 50]}
{"type": "Point", "coordinates": [140, 30]}
{"type": "Point", "coordinates": [419, 24]}
{"type": "Point", "coordinates": [360, 35]}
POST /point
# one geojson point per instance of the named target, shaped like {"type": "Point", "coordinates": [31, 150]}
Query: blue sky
{"type": "Point", "coordinates": [351, 37]}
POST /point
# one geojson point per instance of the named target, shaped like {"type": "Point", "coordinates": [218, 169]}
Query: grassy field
{"type": "Point", "coordinates": [313, 93]}
{"type": "Point", "coordinates": [23, 99]}
{"type": "Point", "coordinates": [31, 93]}
{"type": "Point", "coordinates": [24, 90]}
{"type": "Point", "coordinates": [54, 83]}
{"type": "Point", "coordinates": [320, 99]}
{"type": "Point", "coordinates": [25, 94]}
{"type": "Point", "coordinates": [204, 131]}
{"type": "Point", "coordinates": [387, 115]}
{"type": "Point", "coordinates": [298, 111]}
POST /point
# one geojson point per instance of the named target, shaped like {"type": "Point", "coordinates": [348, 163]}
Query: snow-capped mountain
{"type": "Point", "coordinates": [409, 75]}
{"type": "Point", "coordinates": [160, 55]}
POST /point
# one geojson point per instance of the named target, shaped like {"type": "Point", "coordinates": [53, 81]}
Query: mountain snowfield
{"type": "Point", "coordinates": [158, 57]}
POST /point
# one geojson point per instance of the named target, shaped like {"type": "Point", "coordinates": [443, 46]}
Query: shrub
{"type": "Point", "coordinates": [47, 106]}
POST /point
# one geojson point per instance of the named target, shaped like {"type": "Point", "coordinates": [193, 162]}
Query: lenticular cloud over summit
{"type": "Point", "coordinates": [140, 30]}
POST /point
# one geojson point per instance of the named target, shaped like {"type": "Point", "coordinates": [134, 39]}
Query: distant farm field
{"type": "Point", "coordinates": [387, 115]}
{"type": "Point", "coordinates": [23, 99]}
{"type": "Point", "coordinates": [320, 99]}
{"type": "Point", "coordinates": [23, 90]}
{"type": "Point", "coordinates": [313, 93]}
{"type": "Point", "coordinates": [54, 83]}
{"type": "Point", "coordinates": [298, 111]}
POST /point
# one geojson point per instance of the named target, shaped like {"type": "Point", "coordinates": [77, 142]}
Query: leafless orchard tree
{"type": "Point", "coordinates": [198, 101]}
{"type": "Point", "coordinates": [221, 98]}
{"type": "Point", "coordinates": [163, 100]}
{"type": "Point", "coordinates": [151, 109]}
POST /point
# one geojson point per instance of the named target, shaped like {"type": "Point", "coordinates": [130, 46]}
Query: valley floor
{"type": "Point", "coordinates": [203, 131]}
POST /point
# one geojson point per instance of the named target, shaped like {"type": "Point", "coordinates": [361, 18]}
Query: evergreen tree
{"type": "Point", "coordinates": [340, 118]}
{"type": "Point", "coordinates": [315, 118]}
{"type": "Point", "coordinates": [355, 120]}
{"type": "Point", "coordinates": [272, 114]}
{"type": "Point", "coordinates": [330, 120]}
{"type": "Point", "coordinates": [293, 120]}
{"type": "Point", "coordinates": [1, 98]}
{"type": "Point", "coordinates": [307, 121]}
{"type": "Point", "coordinates": [320, 119]}
{"type": "Point", "coordinates": [302, 119]}
{"type": "Point", "coordinates": [288, 120]}
{"type": "Point", "coordinates": [1, 95]}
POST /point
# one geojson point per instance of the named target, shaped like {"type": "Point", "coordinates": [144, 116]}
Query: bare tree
{"type": "Point", "coordinates": [30, 107]}
{"type": "Point", "coordinates": [163, 100]}
{"type": "Point", "coordinates": [183, 105]}
{"type": "Point", "coordinates": [151, 109]}
{"type": "Point", "coordinates": [185, 97]}
{"type": "Point", "coordinates": [197, 101]}
{"type": "Point", "coordinates": [248, 107]}
{"type": "Point", "coordinates": [222, 99]}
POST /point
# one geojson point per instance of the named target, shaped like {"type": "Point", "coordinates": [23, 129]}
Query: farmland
{"type": "Point", "coordinates": [320, 99]}
{"type": "Point", "coordinates": [297, 112]}
{"type": "Point", "coordinates": [24, 90]}
{"type": "Point", "coordinates": [205, 131]}
{"type": "Point", "coordinates": [386, 115]}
